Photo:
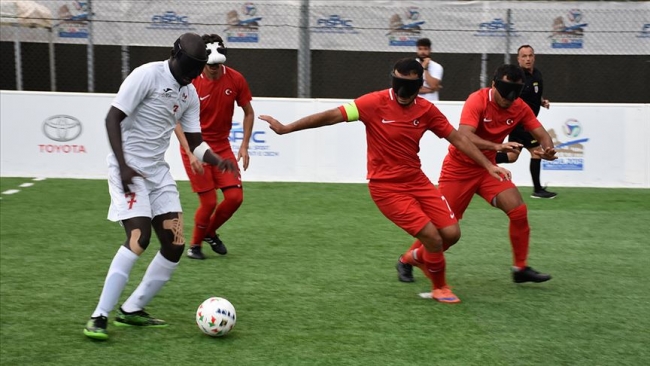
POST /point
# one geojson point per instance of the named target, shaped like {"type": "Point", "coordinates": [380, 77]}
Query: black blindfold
{"type": "Point", "coordinates": [189, 65]}
{"type": "Point", "coordinates": [508, 90]}
{"type": "Point", "coordinates": [405, 88]}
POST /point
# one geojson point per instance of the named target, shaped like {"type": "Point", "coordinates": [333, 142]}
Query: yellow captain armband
{"type": "Point", "coordinates": [352, 111]}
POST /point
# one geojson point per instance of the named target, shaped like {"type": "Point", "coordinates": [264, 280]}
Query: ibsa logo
{"type": "Point", "coordinates": [570, 149]}
{"type": "Point", "coordinates": [170, 20]}
{"type": "Point", "coordinates": [258, 145]}
{"type": "Point", "coordinates": [334, 24]}
{"type": "Point", "coordinates": [74, 20]}
{"type": "Point", "coordinates": [405, 33]}
{"type": "Point", "coordinates": [243, 30]}
{"type": "Point", "coordinates": [62, 128]}
{"type": "Point", "coordinates": [572, 128]}
{"type": "Point", "coordinates": [568, 35]}
{"type": "Point", "coordinates": [497, 27]}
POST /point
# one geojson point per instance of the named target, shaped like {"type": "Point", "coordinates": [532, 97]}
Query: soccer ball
{"type": "Point", "coordinates": [216, 317]}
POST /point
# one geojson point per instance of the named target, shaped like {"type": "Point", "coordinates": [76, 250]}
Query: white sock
{"type": "Point", "coordinates": [158, 273]}
{"type": "Point", "coordinates": [116, 278]}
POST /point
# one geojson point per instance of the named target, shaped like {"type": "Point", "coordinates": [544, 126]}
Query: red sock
{"type": "Point", "coordinates": [207, 204]}
{"type": "Point", "coordinates": [435, 263]}
{"type": "Point", "coordinates": [519, 235]}
{"type": "Point", "coordinates": [417, 244]}
{"type": "Point", "coordinates": [232, 199]}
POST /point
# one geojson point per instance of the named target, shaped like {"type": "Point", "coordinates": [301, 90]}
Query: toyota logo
{"type": "Point", "coordinates": [62, 128]}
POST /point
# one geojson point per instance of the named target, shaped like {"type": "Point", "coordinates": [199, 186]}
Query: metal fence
{"type": "Point", "coordinates": [314, 45]}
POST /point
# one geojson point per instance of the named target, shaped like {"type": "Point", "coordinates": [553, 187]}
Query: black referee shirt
{"type": "Point", "coordinates": [533, 89]}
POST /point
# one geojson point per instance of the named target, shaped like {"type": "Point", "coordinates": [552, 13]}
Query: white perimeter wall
{"type": "Point", "coordinates": [601, 145]}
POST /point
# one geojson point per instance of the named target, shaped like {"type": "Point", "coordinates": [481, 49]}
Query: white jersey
{"type": "Point", "coordinates": [153, 102]}
{"type": "Point", "coordinates": [435, 70]}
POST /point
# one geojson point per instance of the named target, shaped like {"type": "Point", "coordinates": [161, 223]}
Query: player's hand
{"type": "Point", "coordinates": [545, 153]}
{"type": "Point", "coordinates": [509, 147]}
{"type": "Point", "coordinates": [546, 104]}
{"type": "Point", "coordinates": [195, 164]}
{"type": "Point", "coordinates": [500, 173]}
{"type": "Point", "coordinates": [127, 174]}
{"type": "Point", "coordinates": [274, 124]}
{"type": "Point", "coordinates": [226, 165]}
{"type": "Point", "coordinates": [243, 154]}
{"type": "Point", "coordinates": [425, 63]}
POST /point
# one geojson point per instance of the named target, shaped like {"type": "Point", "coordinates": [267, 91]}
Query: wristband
{"type": "Point", "coordinates": [200, 150]}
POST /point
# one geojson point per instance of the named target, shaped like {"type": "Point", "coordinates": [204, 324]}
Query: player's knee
{"type": "Point", "coordinates": [518, 213]}
{"type": "Point", "coordinates": [174, 228]}
{"type": "Point", "coordinates": [172, 241]}
{"type": "Point", "coordinates": [208, 200]}
{"type": "Point", "coordinates": [234, 195]}
{"type": "Point", "coordinates": [450, 235]}
{"type": "Point", "coordinates": [431, 239]}
{"type": "Point", "coordinates": [138, 240]}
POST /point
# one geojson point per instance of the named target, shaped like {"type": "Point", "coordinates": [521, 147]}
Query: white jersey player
{"type": "Point", "coordinates": [139, 123]}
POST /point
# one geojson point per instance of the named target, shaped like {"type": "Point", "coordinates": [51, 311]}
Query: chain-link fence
{"type": "Point", "coordinates": [332, 49]}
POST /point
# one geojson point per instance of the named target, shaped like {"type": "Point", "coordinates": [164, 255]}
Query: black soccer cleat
{"type": "Point", "coordinates": [195, 252]}
{"type": "Point", "coordinates": [543, 193]}
{"type": "Point", "coordinates": [216, 244]}
{"type": "Point", "coordinates": [529, 275]}
{"type": "Point", "coordinates": [404, 271]}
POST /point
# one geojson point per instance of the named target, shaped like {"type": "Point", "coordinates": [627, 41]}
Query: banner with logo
{"type": "Point", "coordinates": [453, 26]}
{"type": "Point", "coordinates": [599, 145]}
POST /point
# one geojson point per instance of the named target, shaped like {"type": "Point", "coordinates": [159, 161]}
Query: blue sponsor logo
{"type": "Point", "coordinates": [568, 34]}
{"type": "Point", "coordinates": [245, 29]}
{"type": "Point", "coordinates": [170, 20]}
{"type": "Point", "coordinates": [334, 24]}
{"type": "Point", "coordinates": [645, 31]}
{"type": "Point", "coordinates": [258, 145]}
{"type": "Point", "coordinates": [497, 27]}
{"type": "Point", "coordinates": [564, 164]}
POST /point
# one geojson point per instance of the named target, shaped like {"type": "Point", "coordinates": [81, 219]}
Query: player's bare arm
{"type": "Point", "coordinates": [464, 144]}
{"type": "Point", "coordinates": [249, 117]}
{"type": "Point", "coordinates": [326, 118]}
{"type": "Point", "coordinates": [546, 149]}
{"type": "Point", "coordinates": [507, 147]}
{"type": "Point", "coordinates": [202, 151]}
{"type": "Point", "coordinates": [195, 163]}
{"type": "Point", "coordinates": [114, 119]}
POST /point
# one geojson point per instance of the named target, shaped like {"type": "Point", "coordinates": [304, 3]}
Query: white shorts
{"type": "Point", "coordinates": [154, 195]}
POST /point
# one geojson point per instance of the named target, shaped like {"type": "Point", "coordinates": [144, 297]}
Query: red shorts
{"type": "Point", "coordinates": [413, 204]}
{"type": "Point", "coordinates": [459, 182]}
{"type": "Point", "coordinates": [213, 177]}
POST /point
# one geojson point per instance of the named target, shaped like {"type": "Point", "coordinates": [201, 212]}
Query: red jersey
{"type": "Point", "coordinates": [218, 99]}
{"type": "Point", "coordinates": [492, 122]}
{"type": "Point", "coordinates": [393, 132]}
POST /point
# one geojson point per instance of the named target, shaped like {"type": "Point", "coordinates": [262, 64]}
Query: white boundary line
{"type": "Point", "coordinates": [23, 185]}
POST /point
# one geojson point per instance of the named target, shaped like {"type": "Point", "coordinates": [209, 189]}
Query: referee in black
{"type": "Point", "coordinates": [532, 94]}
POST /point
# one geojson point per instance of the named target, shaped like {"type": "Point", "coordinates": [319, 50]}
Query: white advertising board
{"type": "Point", "coordinates": [63, 135]}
